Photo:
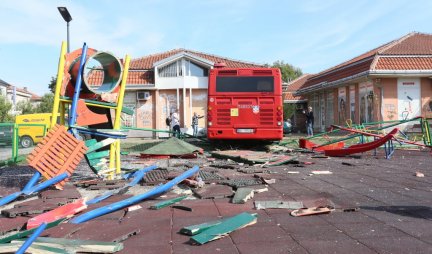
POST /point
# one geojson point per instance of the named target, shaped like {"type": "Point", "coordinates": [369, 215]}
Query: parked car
{"type": "Point", "coordinates": [6, 135]}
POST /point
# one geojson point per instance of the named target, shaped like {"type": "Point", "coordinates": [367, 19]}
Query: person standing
{"type": "Point", "coordinates": [195, 118]}
{"type": "Point", "coordinates": [175, 124]}
{"type": "Point", "coordinates": [309, 121]}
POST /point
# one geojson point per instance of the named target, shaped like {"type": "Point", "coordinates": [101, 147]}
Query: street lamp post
{"type": "Point", "coordinates": [67, 17]}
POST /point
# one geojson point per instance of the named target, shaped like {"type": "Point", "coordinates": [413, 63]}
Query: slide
{"type": "Point", "coordinates": [360, 148]}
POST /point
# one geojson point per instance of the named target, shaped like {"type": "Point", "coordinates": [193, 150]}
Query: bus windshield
{"type": "Point", "coordinates": [245, 84]}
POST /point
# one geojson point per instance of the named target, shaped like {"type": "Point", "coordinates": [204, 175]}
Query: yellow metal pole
{"type": "Point", "coordinates": [59, 82]}
{"type": "Point", "coordinates": [115, 147]}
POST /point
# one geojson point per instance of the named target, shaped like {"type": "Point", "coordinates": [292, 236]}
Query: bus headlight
{"type": "Point", "coordinates": [279, 123]}
{"type": "Point", "coordinates": [210, 124]}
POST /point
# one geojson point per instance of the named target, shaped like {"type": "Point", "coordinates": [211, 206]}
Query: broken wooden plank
{"type": "Point", "coordinates": [292, 205]}
{"type": "Point", "coordinates": [100, 144]}
{"type": "Point", "coordinates": [34, 249]}
{"type": "Point", "coordinates": [75, 245]}
{"type": "Point", "coordinates": [227, 226]}
{"type": "Point", "coordinates": [65, 211]}
{"type": "Point", "coordinates": [97, 155]}
{"type": "Point", "coordinates": [166, 203]}
{"type": "Point", "coordinates": [25, 233]}
{"type": "Point", "coordinates": [242, 195]}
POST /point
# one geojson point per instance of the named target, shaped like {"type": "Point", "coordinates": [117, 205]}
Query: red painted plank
{"type": "Point", "coordinates": [65, 211]}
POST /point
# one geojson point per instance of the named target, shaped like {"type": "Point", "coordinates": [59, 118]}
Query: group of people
{"type": "Point", "coordinates": [173, 121]}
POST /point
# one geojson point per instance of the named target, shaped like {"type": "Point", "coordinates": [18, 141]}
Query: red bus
{"type": "Point", "coordinates": [245, 104]}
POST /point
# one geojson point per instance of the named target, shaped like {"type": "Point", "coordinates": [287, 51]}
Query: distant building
{"type": "Point", "coordinates": [177, 79]}
{"type": "Point", "coordinates": [391, 82]}
{"type": "Point", "coordinates": [14, 95]}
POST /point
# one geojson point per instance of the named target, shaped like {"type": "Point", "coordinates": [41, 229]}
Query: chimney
{"type": "Point", "coordinates": [25, 88]}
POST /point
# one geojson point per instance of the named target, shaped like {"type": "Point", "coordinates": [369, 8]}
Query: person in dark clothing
{"type": "Point", "coordinates": [309, 121]}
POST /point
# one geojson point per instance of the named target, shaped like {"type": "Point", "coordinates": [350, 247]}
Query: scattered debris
{"type": "Point", "coordinates": [225, 227]}
{"type": "Point", "coordinates": [259, 205]}
{"type": "Point", "coordinates": [319, 157]}
{"type": "Point", "coordinates": [77, 245]}
{"type": "Point", "coordinates": [321, 172]}
{"type": "Point", "coordinates": [419, 174]}
{"type": "Point", "coordinates": [242, 195]}
{"type": "Point", "coordinates": [214, 191]}
{"type": "Point", "coordinates": [311, 211]}
{"type": "Point", "coordinates": [242, 182]}
{"type": "Point", "coordinates": [173, 147]}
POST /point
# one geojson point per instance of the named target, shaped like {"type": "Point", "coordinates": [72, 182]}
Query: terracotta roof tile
{"type": "Point", "coordinates": [146, 62]}
{"type": "Point", "coordinates": [404, 63]}
{"type": "Point", "coordinates": [298, 83]}
{"type": "Point", "coordinates": [412, 44]}
{"type": "Point", "coordinates": [288, 96]}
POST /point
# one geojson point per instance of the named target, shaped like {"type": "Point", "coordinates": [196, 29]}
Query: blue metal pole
{"type": "Point", "coordinates": [130, 201]}
{"type": "Point", "coordinates": [138, 175]}
{"type": "Point", "coordinates": [31, 239]}
{"type": "Point", "coordinates": [29, 190]}
{"type": "Point", "coordinates": [9, 198]}
{"type": "Point", "coordinates": [45, 184]}
{"type": "Point", "coordinates": [32, 181]}
{"type": "Point", "coordinates": [72, 115]}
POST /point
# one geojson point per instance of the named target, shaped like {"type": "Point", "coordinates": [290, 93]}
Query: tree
{"type": "Point", "coordinates": [288, 110]}
{"type": "Point", "coordinates": [25, 107]}
{"type": "Point", "coordinates": [288, 71]}
{"type": "Point", "coordinates": [52, 84]}
{"type": "Point", "coordinates": [46, 104]}
{"type": "Point", "coordinates": [5, 107]}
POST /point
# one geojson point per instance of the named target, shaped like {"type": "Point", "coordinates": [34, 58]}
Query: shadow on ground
{"type": "Point", "coordinates": [421, 212]}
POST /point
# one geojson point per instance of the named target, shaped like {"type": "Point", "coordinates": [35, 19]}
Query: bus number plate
{"type": "Point", "coordinates": [245, 130]}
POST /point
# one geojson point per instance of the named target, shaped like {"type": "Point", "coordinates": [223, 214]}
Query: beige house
{"type": "Point", "coordinates": [391, 82]}
{"type": "Point", "coordinates": [174, 80]}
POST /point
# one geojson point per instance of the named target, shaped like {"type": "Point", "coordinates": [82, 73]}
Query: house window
{"type": "Point", "coordinates": [171, 70]}
{"type": "Point", "coordinates": [195, 70]}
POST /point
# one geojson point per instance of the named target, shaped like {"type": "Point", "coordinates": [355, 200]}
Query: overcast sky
{"type": "Point", "coordinates": [313, 35]}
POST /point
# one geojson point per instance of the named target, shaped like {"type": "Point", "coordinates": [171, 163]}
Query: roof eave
{"type": "Point", "coordinates": [331, 84]}
{"type": "Point", "coordinates": [181, 55]}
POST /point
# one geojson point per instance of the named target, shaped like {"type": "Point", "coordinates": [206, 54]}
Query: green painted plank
{"type": "Point", "coordinates": [198, 228]}
{"type": "Point", "coordinates": [25, 233]}
{"type": "Point", "coordinates": [100, 144]}
{"type": "Point", "coordinates": [166, 203]}
{"type": "Point", "coordinates": [90, 142]}
{"type": "Point", "coordinates": [97, 155]}
{"type": "Point", "coordinates": [227, 226]}
{"type": "Point", "coordinates": [242, 195]}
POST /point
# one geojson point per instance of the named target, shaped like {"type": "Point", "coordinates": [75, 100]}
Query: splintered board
{"type": "Point", "coordinates": [57, 153]}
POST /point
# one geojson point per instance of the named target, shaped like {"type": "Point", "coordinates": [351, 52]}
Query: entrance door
{"type": "Point", "coordinates": [408, 98]}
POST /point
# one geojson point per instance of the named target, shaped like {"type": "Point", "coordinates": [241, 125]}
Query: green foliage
{"type": "Point", "coordinates": [288, 71]}
{"type": "Point", "coordinates": [52, 84]}
{"type": "Point", "coordinates": [288, 110]}
{"type": "Point", "coordinates": [5, 107]}
{"type": "Point", "coordinates": [46, 104]}
{"type": "Point", "coordinates": [25, 107]}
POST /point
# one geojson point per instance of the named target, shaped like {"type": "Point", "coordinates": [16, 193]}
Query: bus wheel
{"type": "Point", "coordinates": [26, 141]}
